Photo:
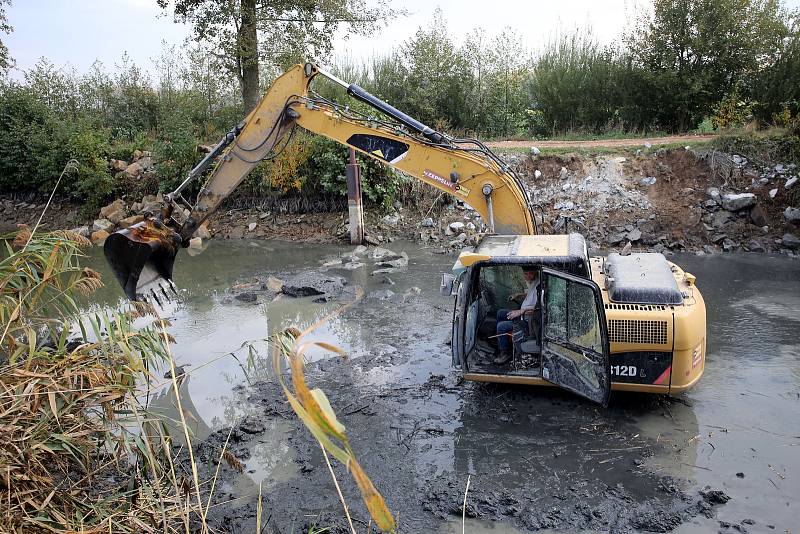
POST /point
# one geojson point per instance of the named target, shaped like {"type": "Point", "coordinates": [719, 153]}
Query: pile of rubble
{"type": "Point", "coordinates": [119, 215]}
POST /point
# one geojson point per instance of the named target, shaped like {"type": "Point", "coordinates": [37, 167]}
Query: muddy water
{"type": "Point", "coordinates": [536, 459]}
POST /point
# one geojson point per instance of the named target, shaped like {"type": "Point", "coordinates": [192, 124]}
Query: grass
{"type": "Point", "coordinates": [81, 452]}
{"type": "Point", "coordinates": [604, 151]}
{"type": "Point", "coordinates": [69, 413]}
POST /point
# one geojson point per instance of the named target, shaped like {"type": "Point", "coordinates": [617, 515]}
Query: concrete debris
{"type": "Point", "coordinates": [740, 201]}
{"type": "Point", "coordinates": [790, 241]}
{"type": "Point", "coordinates": [790, 182]}
{"type": "Point", "coordinates": [773, 193]}
{"type": "Point", "coordinates": [103, 225]}
{"type": "Point", "coordinates": [382, 294]}
{"type": "Point", "coordinates": [792, 215]}
{"type": "Point", "coordinates": [274, 284]}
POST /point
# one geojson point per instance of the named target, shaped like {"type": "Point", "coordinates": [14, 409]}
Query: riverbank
{"type": "Point", "coordinates": [663, 200]}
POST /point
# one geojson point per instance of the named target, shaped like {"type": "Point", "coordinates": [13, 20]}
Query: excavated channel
{"type": "Point", "coordinates": [723, 457]}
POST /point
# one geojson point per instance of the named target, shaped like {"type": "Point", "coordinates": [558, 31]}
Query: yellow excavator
{"type": "Point", "coordinates": [631, 322]}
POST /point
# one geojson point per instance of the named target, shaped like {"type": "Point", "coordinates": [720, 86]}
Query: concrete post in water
{"type": "Point", "coordinates": [354, 206]}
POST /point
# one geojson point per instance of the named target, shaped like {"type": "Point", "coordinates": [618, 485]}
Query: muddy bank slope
{"type": "Point", "coordinates": [664, 200]}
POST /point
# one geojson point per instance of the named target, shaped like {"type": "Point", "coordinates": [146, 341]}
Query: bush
{"type": "Point", "coordinates": [326, 165]}
{"type": "Point", "coordinates": [22, 119]}
{"type": "Point", "coordinates": [92, 182]}
{"type": "Point", "coordinates": [175, 151]}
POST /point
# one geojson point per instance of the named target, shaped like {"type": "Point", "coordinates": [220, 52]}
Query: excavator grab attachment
{"type": "Point", "coordinates": [142, 258]}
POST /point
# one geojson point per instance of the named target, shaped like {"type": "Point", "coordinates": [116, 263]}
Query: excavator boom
{"type": "Point", "coordinates": [142, 256]}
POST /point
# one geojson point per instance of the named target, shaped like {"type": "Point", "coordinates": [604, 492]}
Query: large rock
{"type": "Point", "coordinates": [740, 201]}
{"type": "Point", "coordinates": [792, 215]}
{"type": "Point", "coordinates": [127, 222]}
{"type": "Point", "coordinates": [758, 215]}
{"type": "Point", "coordinates": [134, 169]}
{"type": "Point", "coordinates": [99, 237]}
{"type": "Point", "coordinates": [116, 206]}
{"type": "Point", "coordinates": [721, 219]}
{"type": "Point", "coordinates": [456, 226]}
{"type": "Point", "coordinates": [313, 283]}
{"type": "Point", "coordinates": [146, 163]}
{"type": "Point", "coordinates": [103, 225]}
{"type": "Point", "coordinates": [118, 165]}
{"type": "Point", "coordinates": [274, 284]}
{"type": "Point", "coordinates": [379, 253]}
{"type": "Point", "coordinates": [202, 232]}
{"type": "Point", "coordinates": [635, 235]}
{"type": "Point", "coordinates": [394, 261]}
{"type": "Point", "coordinates": [790, 241]}
{"type": "Point", "coordinates": [82, 231]}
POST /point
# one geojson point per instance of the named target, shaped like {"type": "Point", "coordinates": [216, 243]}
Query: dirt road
{"type": "Point", "coordinates": [604, 143]}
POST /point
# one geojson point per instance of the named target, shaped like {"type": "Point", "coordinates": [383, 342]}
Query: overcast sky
{"type": "Point", "coordinates": [78, 32]}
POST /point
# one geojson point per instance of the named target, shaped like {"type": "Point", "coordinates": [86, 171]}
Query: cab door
{"type": "Point", "coordinates": [575, 352]}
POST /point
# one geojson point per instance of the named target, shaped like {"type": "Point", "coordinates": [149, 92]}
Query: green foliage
{"type": "Point", "coordinates": [5, 58]}
{"type": "Point", "coordinates": [175, 150]}
{"type": "Point", "coordinates": [326, 166]}
{"type": "Point", "coordinates": [765, 149]}
{"type": "Point", "coordinates": [704, 48]}
{"type": "Point", "coordinates": [733, 112]}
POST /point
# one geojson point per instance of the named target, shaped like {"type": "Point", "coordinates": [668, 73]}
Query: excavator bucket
{"type": "Point", "coordinates": [142, 257]}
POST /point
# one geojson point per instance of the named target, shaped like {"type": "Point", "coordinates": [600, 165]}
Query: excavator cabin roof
{"type": "Point", "coordinates": [566, 253]}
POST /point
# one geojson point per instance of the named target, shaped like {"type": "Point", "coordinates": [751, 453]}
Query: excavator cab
{"type": "Point", "coordinates": [563, 343]}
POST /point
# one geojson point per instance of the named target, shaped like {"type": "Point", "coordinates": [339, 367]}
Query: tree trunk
{"type": "Point", "coordinates": [248, 55]}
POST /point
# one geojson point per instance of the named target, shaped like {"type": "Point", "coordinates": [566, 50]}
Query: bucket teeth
{"type": "Point", "coordinates": [155, 297]}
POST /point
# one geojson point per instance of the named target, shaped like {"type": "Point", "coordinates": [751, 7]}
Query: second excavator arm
{"type": "Point", "coordinates": [142, 256]}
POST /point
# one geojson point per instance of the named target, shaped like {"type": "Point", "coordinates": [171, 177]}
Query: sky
{"type": "Point", "coordinates": [76, 33]}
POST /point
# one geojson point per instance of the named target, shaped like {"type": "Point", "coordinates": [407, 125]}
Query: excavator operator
{"type": "Point", "coordinates": [508, 319]}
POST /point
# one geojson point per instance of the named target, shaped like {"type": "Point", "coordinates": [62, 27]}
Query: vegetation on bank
{"type": "Point", "coordinates": [82, 452]}
{"type": "Point", "coordinates": [72, 459]}
{"type": "Point", "coordinates": [699, 66]}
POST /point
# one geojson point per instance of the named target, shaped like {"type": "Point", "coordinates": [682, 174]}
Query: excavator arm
{"type": "Point", "coordinates": [142, 256]}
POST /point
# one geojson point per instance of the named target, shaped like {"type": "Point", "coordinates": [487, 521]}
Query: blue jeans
{"type": "Point", "coordinates": [504, 329]}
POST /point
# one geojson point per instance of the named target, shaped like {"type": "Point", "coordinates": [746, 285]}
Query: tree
{"type": "Point", "coordinates": [707, 47]}
{"type": "Point", "coordinates": [245, 33]}
{"type": "Point", "coordinates": [5, 59]}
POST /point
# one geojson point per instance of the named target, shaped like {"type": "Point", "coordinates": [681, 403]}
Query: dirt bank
{"type": "Point", "coordinates": [662, 200]}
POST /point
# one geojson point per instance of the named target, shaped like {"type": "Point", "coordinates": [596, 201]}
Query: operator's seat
{"type": "Point", "coordinates": [525, 339]}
